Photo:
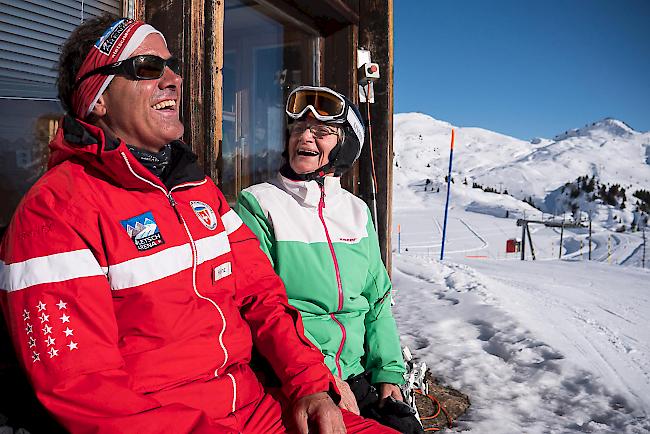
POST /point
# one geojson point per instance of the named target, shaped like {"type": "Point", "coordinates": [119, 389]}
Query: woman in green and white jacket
{"type": "Point", "coordinates": [322, 243]}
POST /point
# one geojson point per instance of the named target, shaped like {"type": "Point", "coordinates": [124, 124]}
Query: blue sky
{"type": "Point", "coordinates": [523, 68]}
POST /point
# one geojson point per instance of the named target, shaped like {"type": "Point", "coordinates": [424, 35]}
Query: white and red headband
{"type": "Point", "coordinates": [116, 44]}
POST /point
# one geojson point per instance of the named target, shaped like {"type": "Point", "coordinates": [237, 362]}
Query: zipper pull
{"type": "Point", "coordinates": [321, 204]}
{"type": "Point", "coordinates": [172, 202]}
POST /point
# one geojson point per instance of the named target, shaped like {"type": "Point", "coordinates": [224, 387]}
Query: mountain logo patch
{"type": "Point", "coordinates": [143, 231]}
{"type": "Point", "coordinates": [205, 214]}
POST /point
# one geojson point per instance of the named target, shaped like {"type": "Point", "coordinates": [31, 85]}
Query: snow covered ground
{"type": "Point", "coordinates": [545, 346]}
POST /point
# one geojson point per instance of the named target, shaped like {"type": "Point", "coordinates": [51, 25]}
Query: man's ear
{"type": "Point", "coordinates": [100, 109]}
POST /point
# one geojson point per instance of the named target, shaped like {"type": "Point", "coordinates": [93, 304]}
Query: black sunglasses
{"type": "Point", "coordinates": [143, 67]}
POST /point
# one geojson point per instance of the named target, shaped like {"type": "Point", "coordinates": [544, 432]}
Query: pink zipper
{"type": "Point", "coordinates": [321, 205]}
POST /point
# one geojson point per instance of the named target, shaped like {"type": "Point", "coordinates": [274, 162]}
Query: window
{"type": "Point", "coordinates": [31, 34]}
{"type": "Point", "coordinates": [266, 55]}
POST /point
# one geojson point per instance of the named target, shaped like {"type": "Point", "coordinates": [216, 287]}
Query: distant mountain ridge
{"type": "Point", "coordinates": [614, 126]}
{"type": "Point", "coordinates": [608, 150]}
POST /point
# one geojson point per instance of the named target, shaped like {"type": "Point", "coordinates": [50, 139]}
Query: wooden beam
{"type": "Point", "coordinates": [376, 35]}
{"type": "Point", "coordinates": [347, 12]}
{"type": "Point", "coordinates": [328, 16]}
{"type": "Point", "coordinates": [214, 86]}
{"type": "Point", "coordinates": [195, 65]}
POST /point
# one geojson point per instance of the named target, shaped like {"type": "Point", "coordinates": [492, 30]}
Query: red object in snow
{"type": "Point", "coordinates": [511, 245]}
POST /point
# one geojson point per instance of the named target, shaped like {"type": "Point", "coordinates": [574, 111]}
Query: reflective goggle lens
{"type": "Point", "coordinates": [324, 103]}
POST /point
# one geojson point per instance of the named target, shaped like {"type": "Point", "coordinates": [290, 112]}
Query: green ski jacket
{"type": "Point", "coordinates": [322, 243]}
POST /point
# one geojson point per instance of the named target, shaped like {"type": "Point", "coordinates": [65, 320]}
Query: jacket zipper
{"type": "Point", "coordinates": [172, 202]}
{"type": "Point", "coordinates": [339, 285]}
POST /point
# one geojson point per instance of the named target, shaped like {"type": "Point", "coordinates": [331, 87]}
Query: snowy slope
{"type": "Point", "coordinates": [545, 346]}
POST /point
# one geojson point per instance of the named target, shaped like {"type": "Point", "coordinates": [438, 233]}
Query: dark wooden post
{"type": "Point", "coordinates": [183, 22]}
{"type": "Point", "coordinates": [213, 112]}
{"type": "Point", "coordinates": [376, 35]}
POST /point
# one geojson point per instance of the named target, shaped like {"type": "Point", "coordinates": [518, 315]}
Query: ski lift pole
{"type": "Point", "coordinates": [609, 248]}
{"type": "Point", "coordinates": [643, 257]}
{"type": "Point", "coordinates": [561, 238]}
{"type": "Point", "coordinates": [444, 226]}
{"type": "Point", "coordinates": [590, 236]}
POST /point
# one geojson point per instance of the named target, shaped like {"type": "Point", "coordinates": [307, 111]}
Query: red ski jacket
{"type": "Point", "coordinates": [133, 305]}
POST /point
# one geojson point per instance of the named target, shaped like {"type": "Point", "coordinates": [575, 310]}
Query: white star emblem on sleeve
{"type": "Point", "coordinates": [28, 328]}
{"type": "Point", "coordinates": [32, 342]}
{"type": "Point", "coordinates": [62, 305]}
{"type": "Point", "coordinates": [65, 318]}
{"type": "Point", "coordinates": [41, 306]}
{"type": "Point", "coordinates": [25, 314]}
{"type": "Point", "coordinates": [53, 352]}
{"type": "Point", "coordinates": [50, 341]}
{"type": "Point", "coordinates": [47, 330]}
{"type": "Point", "coordinates": [36, 356]}
{"type": "Point", "coordinates": [72, 345]}
{"type": "Point", "coordinates": [68, 331]}
{"type": "Point", "coordinates": [45, 318]}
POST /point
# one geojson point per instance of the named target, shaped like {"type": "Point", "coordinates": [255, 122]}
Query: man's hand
{"type": "Point", "coordinates": [320, 410]}
{"type": "Point", "coordinates": [348, 401]}
{"type": "Point", "coordinates": [388, 389]}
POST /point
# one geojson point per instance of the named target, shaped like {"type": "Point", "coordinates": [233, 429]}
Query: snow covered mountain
{"type": "Point", "coordinates": [610, 150]}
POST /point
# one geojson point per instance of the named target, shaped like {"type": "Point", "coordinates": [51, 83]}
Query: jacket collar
{"type": "Point", "coordinates": [309, 192]}
{"type": "Point", "coordinates": [111, 159]}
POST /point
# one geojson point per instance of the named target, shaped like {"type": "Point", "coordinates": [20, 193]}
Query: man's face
{"type": "Point", "coordinates": [144, 113]}
{"type": "Point", "coordinates": [310, 144]}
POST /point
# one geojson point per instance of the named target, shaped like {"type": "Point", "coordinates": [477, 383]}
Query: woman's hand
{"type": "Point", "coordinates": [348, 401]}
{"type": "Point", "coordinates": [388, 389]}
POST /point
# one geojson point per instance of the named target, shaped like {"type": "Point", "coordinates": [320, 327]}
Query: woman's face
{"type": "Point", "coordinates": [310, 144]}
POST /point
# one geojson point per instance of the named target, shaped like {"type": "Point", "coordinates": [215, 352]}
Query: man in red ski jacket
{"type": "Point", "coordinates": [132, 293]}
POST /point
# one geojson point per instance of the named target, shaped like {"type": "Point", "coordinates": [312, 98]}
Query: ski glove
{"type": "Point", "coordinates": [393, 413]}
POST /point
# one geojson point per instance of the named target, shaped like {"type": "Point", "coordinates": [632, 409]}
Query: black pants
{"type": "Point", "coordinates": [395, 414]}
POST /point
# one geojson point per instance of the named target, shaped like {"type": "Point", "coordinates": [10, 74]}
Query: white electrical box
{"type": "Point", "coordinates": [367, 73]}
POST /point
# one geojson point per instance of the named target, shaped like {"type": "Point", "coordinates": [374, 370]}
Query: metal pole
{"type": "Point", "coordinates": [444, 227]}
{"type": "Point", "coordinates": [643, 257]}
{"type": "Point", "coordinates": [523, 240]}
{"type": "Point", "coordinates": [561, 237]}
{"type": "Point", "coordinates": [530, 241]}
{"type": "Point", "coordinates": [590, 236]}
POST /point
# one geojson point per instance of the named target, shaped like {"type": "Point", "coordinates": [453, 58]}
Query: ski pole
{"type": "Point", "coordinates": [444, 226]}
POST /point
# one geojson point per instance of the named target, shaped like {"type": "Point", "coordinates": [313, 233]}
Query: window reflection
{"type": "Point", "coordinates": [26, 127]}
{"type": "Point", "coordinates": [265, 56]}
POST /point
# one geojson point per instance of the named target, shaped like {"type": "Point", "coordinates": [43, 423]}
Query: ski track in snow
{"type": "Point", "coordinates": [485, 243]}
{"type": "Point", "coordinates": [517, 382]}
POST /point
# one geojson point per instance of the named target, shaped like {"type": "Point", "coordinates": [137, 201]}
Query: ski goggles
{"type": "Point", "coordinates": [142, 67]}
{"type": "Point", "coordinates": [325, 104]}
